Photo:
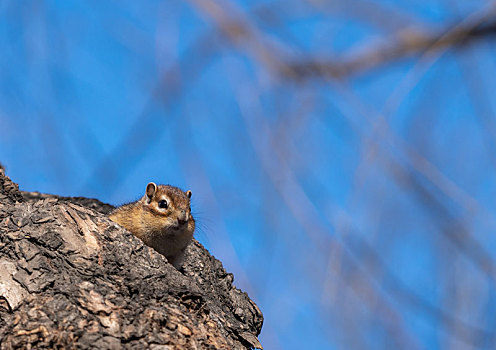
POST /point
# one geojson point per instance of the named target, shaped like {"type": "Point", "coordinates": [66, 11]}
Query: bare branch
{"type": "Point", "coordinates": [402, 46]}
{"type": "Point", "coordinates": [408, 43]}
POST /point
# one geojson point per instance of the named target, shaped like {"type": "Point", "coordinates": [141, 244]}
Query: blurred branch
{"type": "Point", "coordinates": [454, 231]}
{"type": "Point", "coordinates": [406, 44]}
{"type": "Point", "coordinates": [451, 227]}
{"type": "Point", "coordinates": [480, 98]}
{"type": "Point", "coordinates": [380, 15]}
{"type": "Point", "coordinates": [274, 16]}
{"type": "Point", "coordinates": [307, 216]}
{"type": "Point", "coordinates": [481, 23]}
{"type": "Point", "coordinates": [241, 32]}
{"type": "Point", "coordinates": [304, 211]}
{"type": "Point", "coordinates": [169, 89]}
{"type": "Point", "coordinates": [367, 264]}
{"type": "Point", "coordinates": [465, 332]}
{"type": "Point", "coordinates": [377, 15]}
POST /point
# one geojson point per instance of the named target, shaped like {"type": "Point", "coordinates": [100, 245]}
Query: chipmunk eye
{"type": "Point", "coordinates": [162, 204]}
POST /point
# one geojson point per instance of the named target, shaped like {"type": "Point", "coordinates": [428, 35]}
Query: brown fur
{"type": "Point", "coordinates": [168, 231]}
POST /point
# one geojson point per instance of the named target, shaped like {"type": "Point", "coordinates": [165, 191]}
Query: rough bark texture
{"type": "Point", "coordinates": [71, 278]}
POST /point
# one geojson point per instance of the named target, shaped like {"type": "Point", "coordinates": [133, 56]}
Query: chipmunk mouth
{"type": "Point", "coordinates": [179, 224]}
{"type": "Point", "coordinates": [176, 227]}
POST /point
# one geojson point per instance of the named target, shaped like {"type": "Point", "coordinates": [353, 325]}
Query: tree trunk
{"type": "Point", "coordinates": [71, 278]}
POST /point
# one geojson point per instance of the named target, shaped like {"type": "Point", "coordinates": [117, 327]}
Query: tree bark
{"type": "Point", "coordinates": [71, 278]}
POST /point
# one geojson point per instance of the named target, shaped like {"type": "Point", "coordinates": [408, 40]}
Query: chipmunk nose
{"type": "Point", "coordinates": [182, 218]}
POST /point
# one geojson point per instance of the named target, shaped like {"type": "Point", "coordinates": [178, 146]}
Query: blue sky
{"type": "Point", "coordinates": [342, 243]}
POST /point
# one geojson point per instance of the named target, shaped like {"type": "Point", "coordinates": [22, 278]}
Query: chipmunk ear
{"type": "Point", "coordinates": [189, 193]}
{"type": "Point", "coordinates": [151, 188]}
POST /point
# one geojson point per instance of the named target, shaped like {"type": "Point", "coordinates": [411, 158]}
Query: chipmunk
{"type": "Point", "coordinates": [161, 219]}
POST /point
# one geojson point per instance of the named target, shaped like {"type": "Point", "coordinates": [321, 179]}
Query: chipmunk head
{"type": "Point", "coordinates": [171, 205]}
